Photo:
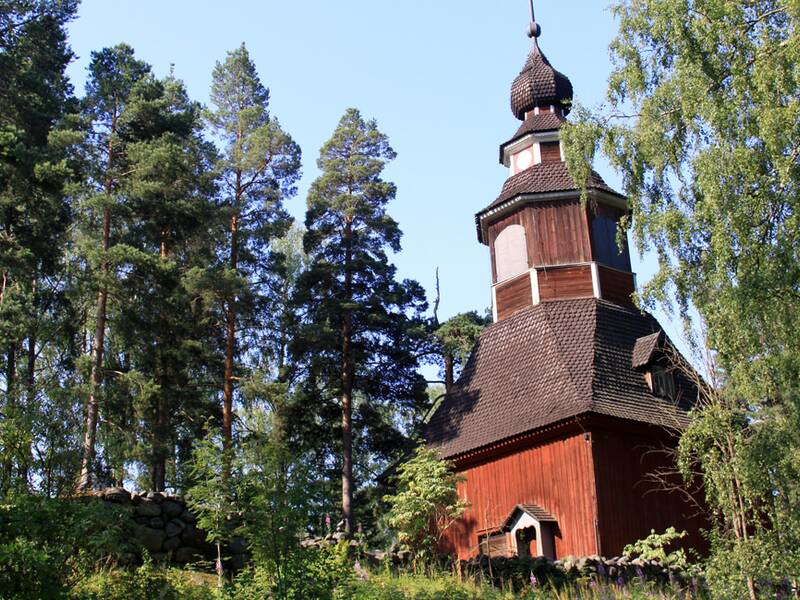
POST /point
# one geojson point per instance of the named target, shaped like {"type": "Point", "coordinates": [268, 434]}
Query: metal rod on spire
{"type": "Point", "coordinates": [534, 31]}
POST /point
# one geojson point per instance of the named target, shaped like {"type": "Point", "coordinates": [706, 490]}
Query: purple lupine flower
{"type": "Point", "coordinates": [620, 581]}
{"type": "Point", "coordinates": [362, 573]}
{"type": "Point", "coordinates": [534, 581]}
{"type": "Point", "coordinates": [601, 570]}
{"type": "Point", "coordinates": [640, 573]}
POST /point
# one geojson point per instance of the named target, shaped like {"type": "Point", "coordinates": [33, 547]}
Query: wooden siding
{"type": "Point", "coordinates": [565, 282]}
{"type": "Point", "coordinates": [630, 504]}
{"type": "Point", "coordinates": [615, 285]}
{"type": "Point", "coordinates": [513, 296]}
{"type": "Point", "coordinates": [551, 152]}
{"type": "Point", "coordinates": [556, 474]}
{"type": "Point", "coordinates": [556, 233]}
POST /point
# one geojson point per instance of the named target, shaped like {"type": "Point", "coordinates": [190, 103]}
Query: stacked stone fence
{"type": "Point", "coordinates": [165, 528]}
{"type": "Point", "coordinates": [620, 570]}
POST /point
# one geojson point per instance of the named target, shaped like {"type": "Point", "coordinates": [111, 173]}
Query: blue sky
{"type": "Point", "coordinates": [435, 74]}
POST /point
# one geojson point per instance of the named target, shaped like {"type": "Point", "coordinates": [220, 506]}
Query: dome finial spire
{"type": "Point", "coordinates": [534, 31]}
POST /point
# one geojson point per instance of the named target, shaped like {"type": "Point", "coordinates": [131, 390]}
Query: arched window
{"type": "Point", "coordinates": [510, 252]}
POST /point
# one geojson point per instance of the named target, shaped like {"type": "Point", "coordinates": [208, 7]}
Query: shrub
{"type": "Point", "coordinates": [27, 573]}
{"type": "Point", "coordinates": [426, 503]}
{"type": "Point", "coordinates": [319, 574]}
{"type": "Point", "coordinates": [83, 529]}
{"type": "Point", "coordinates": [654, 547]}
{"type": "Point", "coordinates": [146, 583]}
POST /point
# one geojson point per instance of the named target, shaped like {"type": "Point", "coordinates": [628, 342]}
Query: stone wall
{"type": "Point", "coordinates": [618, 570]}
{"type": "Point", "coordinates": [164, 526]}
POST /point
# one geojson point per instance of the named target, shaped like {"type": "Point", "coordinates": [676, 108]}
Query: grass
{"type": "Point", "coordinates": [447, 587]}
{"type": "Point", "coordinates": [152, 581]}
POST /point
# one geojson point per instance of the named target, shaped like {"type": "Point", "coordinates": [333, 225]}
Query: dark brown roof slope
{"type": "Point", "coordinates": [545, 121]}
{"type": "Point", "coordinates": [534, 510]}
{"type": "Point", "coordinates": [535, 124]}
{"type": "Point", "coordinates": [553, 361]}
{"type": "Point", "coordinates": [644, 348]}
{"type": "Point", "coordinates": [539, 84]}
{"type": "Point", "coordinates": [542, 178]}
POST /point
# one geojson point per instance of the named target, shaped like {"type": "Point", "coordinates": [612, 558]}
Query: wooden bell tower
{"type": "Point", "coordinates": [553, 421]}
{"type": "Point", "coordinates": [545, 243]}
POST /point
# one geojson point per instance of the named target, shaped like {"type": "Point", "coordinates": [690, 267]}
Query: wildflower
{"type": "Point", "coordinates": [534, 581]}
{"type": "Point", "coordinates": [640, 573]}
{"type": "Point", "coordinates": [601, 570]}
{"type": "Point", "coordinates": [328, 522]}
{"type": "Point", "coordinates": [592, 583]}
{"type": "Point", "coordinates": [620, 581]}
{"type": "Point", "coordinates": [362, 573]}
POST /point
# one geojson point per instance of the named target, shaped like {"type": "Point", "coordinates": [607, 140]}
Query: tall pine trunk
{"type": "Point", "coordinates": [160, 437]}
{"type": "Point", "coordinates": [230, 334]}
{"type": "Point", "coordinates": [98, 344]}
{"type": "Point", "coordinates": [27, 459]}
{"type": "Point", "coordinates": [347, 386]}
{"type": "Point", "coordinates": [11, 403]}
{"type": "Point", "coordinates": [448, 372]}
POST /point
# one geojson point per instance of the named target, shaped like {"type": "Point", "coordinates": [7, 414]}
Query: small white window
{"type": "Point", "coordinates": [510, 252]}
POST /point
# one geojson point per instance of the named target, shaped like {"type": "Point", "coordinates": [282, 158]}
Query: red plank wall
{"type": "Point", "coordinates": [556, 474]}
{"type": "Point", "coordinates": [630, 503]}
{"type": "Point", "coordinates": [595, 483]}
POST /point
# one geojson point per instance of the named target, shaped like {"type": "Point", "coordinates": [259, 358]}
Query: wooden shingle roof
{"type": "Point", "coordinates": [534, 510]}
{"type": "Point", "coordinates": [553, 361]}
{"type": "Point", "coordinates": [644, 349]}
{"type": "Point", "coordinates": [546, 121]}
{"type": "Point", "coordinates": [543, 178]}
{"type": "Point", "coordinates": [539, 84]}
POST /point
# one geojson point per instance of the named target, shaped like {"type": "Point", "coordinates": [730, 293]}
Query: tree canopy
{"type": "Point", "coordinates": [702, 123]}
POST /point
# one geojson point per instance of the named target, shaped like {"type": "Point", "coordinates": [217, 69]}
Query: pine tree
{"type": "Point", "coordinates": [455, 339]}
{"type": "Point", "coordinates": [112, 74]}
{"type": "Point", "coordinates": [360, 324]}
{"type": "Point", "coordinates": [35, 97]}
{"type": "Point", "coordinates": [171, 216]}
{"type": "Point", "coordinates": [258, 171]}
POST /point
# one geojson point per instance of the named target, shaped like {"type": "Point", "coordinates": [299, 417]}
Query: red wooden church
{"type": "Point", "coordinates": [564, 408]}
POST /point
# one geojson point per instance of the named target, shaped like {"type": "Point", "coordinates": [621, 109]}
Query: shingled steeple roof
{"type": "Point", "coordinates": [539, 84]}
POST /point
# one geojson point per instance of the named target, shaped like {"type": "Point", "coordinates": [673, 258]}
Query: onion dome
{"type": "Point", "coordinates": [539, 84]}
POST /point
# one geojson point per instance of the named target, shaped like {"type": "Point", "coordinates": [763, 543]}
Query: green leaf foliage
{"type": "Point", "coordinates": [702, 123]}
{"type": "Point", "coordinates": [361, 329]}
{"type": "Point", "coordinates": [35, 213]}
{"type": "Point", "coordinates": [425, 504]}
